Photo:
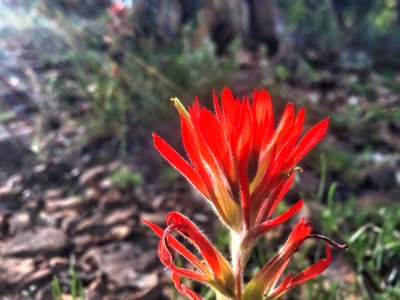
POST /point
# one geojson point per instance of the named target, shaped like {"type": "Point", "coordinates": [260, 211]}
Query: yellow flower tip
{"type": "Point", "coordinates": [300, 169]}
{"type": "Point", "coordinates": [181, 109]}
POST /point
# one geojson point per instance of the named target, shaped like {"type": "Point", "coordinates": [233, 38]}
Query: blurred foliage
{"type": "Point", "coordinates": [75, 289]}
{"type": "Point", "coordinates": [313, 25]}
{"type": "Point", "coordinates": [322, 29]}
{"type": "Point", "coordinates": [125, 178]}
{"type": "Point", "coordinates": [371, 233]}
{"type": "Point", "coordinates": [134, 84]}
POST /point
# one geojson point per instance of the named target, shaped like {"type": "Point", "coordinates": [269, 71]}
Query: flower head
{"type": "Point", "coordinates": [238, 160]}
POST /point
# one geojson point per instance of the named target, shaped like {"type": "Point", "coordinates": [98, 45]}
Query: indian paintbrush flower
{"type": "Point", "coordinates": [244, 167]}
{"type": "Point", "coordinates": [237, 160]}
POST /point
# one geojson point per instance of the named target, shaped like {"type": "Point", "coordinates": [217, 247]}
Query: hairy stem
{"type": "Point", "coordinates": [239, 260]}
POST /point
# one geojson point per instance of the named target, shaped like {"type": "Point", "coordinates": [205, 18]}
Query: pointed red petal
{"type": "Point", "coordinates": [262, 228]}
{"type": "Point", "coordinates": [217, 107]}
{"type": "Point", "coordinates": [269, 204]}
{"type": "Point", "coordinates": [263, 118]}
{"type": "Point", "coordinates": [229, 109]}
{"type": "Point", "coordinates": [282, 193]}
{"type": "Point", "coordinates": [284, 126]}
{"type": "Point", "coordinates": [292, 139]}
{"type": "Point", "coordinates": [214, 137]}
{"type": "Point", "coordinates": [313, 136]}
{"type": "Point", "coordinates": [292, 281]}
{"type": "Point", "coordinates": [242, 149]}
{"type": "Point", "coordinates": [184, 290]}
{"type": "Point", "coordinates": [179, 163]}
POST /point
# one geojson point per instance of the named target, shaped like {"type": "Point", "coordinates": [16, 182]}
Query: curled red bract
{"type": "Point", "coordinates": [213, 269]}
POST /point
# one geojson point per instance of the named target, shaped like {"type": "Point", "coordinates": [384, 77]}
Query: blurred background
{"type": "Point", "coordinates": [84, 83]}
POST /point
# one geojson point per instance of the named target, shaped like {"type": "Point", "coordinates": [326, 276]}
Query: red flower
{"type": "Point", "coordinates": [265, 282]}
{"type": "Point", "coordinates": [214, 270]}
{"type": "Point", "coordinates": [237, 160]}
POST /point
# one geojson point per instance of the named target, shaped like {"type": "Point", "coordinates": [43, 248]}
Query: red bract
{"type": "Point", "coordinates": [265, 282]}
{"type": "Point", "coordinates": [237, 159]}
{"type": "Point", "coordinates": [214, 270]}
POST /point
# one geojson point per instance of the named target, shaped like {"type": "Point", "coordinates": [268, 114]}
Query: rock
{"type": "Point", "coordinates": [73, 202]}
{"type": "Point", "coordinates": [92, 193]}
{"type": "Point", "coordinates": [83, 242]}
{"type": "Point", "coordinates": [47, 220]}
{"type": "Point", "coordinates": [44, 241]}
{"type": "Point", "coordinates": [89, 224]}
{"type": "Point", "coordinates": [37, 278]}
{"type": "Point", "coordinates": [15, 270]}
{"type": "Point", "coordinates": [123, 263]}
{"type": "Point", "coordinates": [8, 193]}
{"type": "Point", "coordinates": [105, 184]}
{"type": "Point", "coordinates": [96, 289]}
{"type": "Point", "coordinates": [120, 232]}
{"type": "Point", "coordinates": [154, 217]}
{"type": "Point", "coordinates": [119, 216]}
{"type": "Point", "coordinates": [157, 201]}
{"type": "Point", "coordinates": [54, 193]}
{"type": "Point", "coordinates": [19, 222]}
{"type": "Point", "coordinates": [110, 198]}
{"type": "Point", "coordinates": [69, 218]}
{"type": "Point", "coordinates": [91, 175]}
